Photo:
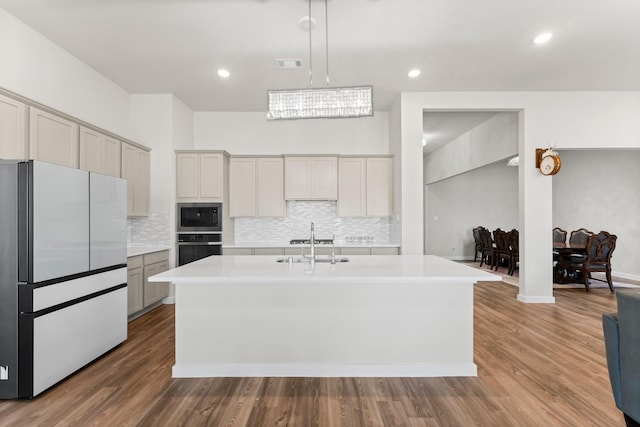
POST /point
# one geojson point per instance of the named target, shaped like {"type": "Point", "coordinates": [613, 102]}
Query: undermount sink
{"type": "Point", "coordinates": [291, 259]}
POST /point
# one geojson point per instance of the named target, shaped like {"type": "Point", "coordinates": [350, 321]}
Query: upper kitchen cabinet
{"type": "Point", "coordinates": [200, 175]}
{"type": "Point", "coordinates": [256, 187]}
{"type": "Point", "coordinates": [135, 169]}
{"type": "Point", "coordinates": [311, 178]}
{"type": "Point", "coordinates": [365, 186]}
{"type": "Point", "coordinates": [99, 153]}
{"type": "Point", "coordinates": [52, 138]}
{"type": "Point", "coordinates": [13, 123]}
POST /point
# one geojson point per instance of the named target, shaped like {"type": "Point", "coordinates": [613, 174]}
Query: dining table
{"type": "Point", "coordinates": [566, 250]}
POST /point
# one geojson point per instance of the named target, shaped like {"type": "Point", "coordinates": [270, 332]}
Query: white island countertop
{"type": "Point", "coordinates": [376, 315]}
{"type": "Point", "coordinates": [372, 268]}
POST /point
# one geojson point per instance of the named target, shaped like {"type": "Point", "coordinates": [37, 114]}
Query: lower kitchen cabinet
{"type": "Point", "coordinates": [135, 282]}
{"type": "Point", "coordinates": [144, 295]}
{"type": "Point", "coordinates": [155, 263]}
{"type": "Point", "coordinates": [355, 251]}
{"type": "Point", "coordinates": [385, 251]}
{"type": "Point", "coordinates": [268, 251]}
{"type": "Point", "coordinates": [306, 250]}
{"type": "Point", "coordinates": [237, 251]}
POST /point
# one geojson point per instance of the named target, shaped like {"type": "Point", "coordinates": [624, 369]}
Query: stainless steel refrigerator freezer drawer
{"type": "Point", "coordinates": [66, 340]}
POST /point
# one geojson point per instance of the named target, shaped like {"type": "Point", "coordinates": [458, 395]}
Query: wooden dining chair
{"type": "Point", "coordinates": [514, 245]}
{"type": "Point", "coordinates": [477, 242]}
{"type": "Point", "coordinates": [599, 248]}
{"type": "Point", "coordinates": [580, 236]}
{"type": "Point", "coordinates": [559, 235]}
{"type": "Point", "coordinates": [488, 250]}
{"type": "Point", "coordinates": [503, 252]}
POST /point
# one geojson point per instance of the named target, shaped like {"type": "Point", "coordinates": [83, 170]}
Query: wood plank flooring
{"type": "Point", "coordinates": [538, 365]}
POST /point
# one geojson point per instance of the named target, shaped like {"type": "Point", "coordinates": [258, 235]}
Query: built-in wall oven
{"type": "Point", "coordinates": [199, 231]}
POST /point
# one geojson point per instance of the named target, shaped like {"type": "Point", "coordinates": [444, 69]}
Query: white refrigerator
{"type": "Point", "coordinates": [63, 277]}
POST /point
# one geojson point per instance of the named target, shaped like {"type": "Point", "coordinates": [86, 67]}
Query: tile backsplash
{"type": "Point", "coordinates": [152, 230]}
{"type": "Point", "coordinates": [296, 225]}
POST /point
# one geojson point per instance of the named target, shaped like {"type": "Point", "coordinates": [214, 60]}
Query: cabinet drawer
{"type": "Point", "coordinates": [154, 257]}
{"type": "Point", "coordinates": [384, 251]}
{"type": "Point", "coordinates": [135, 261]}
{"type": "Point", "coordinates": [355, 251]}
{"type": "Point", "coordinates": [268, 251]}
{"type": "Point", "coordinates": [237, 251]}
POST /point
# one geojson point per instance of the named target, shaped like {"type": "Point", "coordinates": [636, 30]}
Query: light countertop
{"type": "Point", "coordinates": [367, 268]}
{"type": "Point", "coordinates": [135, 250]}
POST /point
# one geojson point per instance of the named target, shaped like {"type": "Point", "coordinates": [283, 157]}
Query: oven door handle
{"type": "Point", "coordinates": [199, 243]}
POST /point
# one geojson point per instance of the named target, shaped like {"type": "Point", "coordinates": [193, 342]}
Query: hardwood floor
{"type": "Point", "coordinates": [538, 365]}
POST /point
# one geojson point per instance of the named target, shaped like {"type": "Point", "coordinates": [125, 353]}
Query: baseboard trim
{"type": "Point", "coordinates": [536, 300]}
{"type": "Point", "coordinates": [323, 370]}
{"type": "Point", "coordinates": [625, 276]}
{"type": "Point", "coordinates": [169, 300]}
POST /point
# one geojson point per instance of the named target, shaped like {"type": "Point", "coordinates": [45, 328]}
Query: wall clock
{"type": "Point", "coordinates": [550, 163]}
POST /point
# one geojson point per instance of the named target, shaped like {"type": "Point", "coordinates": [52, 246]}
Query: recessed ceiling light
{"type": "Point", "coordinates": [223, 73]}
{"type": "Point", "coordinates": [414, 73]}
{"type": "Point", "coordinates": [542, 38]}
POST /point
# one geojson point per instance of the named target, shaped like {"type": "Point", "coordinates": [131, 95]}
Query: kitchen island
{"type": "Point", "coordinates": [407, 315]}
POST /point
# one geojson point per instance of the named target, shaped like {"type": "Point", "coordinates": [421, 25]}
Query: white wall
{"type": "Point", "coordinates": [35, 68]}
{"type": "Point", "coordinates": [183, 126]}
{"type": "Point", "coordinates": [565, 119]}
{"type": "Point", "coordinates": [152, 124]}
{"type": "Point", "coordinates": [493, 140]}
{"type": "Point", "coordinates": [163, 123]}
{"type": "Point", "coordinates": [251, 133]}
{"type": "Point", "coordinates": [486, 196]}
{"type": "Point", "coordinates": [600, 190]}
{"type": "Point", "coordinates": [395, 148]}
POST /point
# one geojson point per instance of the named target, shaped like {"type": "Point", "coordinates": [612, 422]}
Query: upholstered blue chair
{"type": "Point", "coordinates": [622, 342]}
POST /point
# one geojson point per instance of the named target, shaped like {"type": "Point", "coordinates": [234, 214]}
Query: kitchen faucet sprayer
{"type": "Point", "coordinates": [312, 257]}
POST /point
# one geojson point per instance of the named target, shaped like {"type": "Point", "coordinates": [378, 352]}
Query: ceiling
{"type": "Point", "coordinates": [442, 127]}
{"type": "Point", "coordinates": [176, 46]}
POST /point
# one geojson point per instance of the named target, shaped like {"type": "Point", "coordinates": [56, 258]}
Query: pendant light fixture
{"type": "Point", "coordinates": [328, 102]}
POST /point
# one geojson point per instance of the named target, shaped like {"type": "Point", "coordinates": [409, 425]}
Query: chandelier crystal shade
{"type": "Point", "coordinates": [323, 103]}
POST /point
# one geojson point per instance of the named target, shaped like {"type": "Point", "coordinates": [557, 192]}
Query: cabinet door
{"type": "Point", "coordinates": [91, 150]}
{"type": "Point", "coordinates": [384, 251]}
{"type": "Point", "coordinates": [211, 181]}
{"type": "Point", "coordinates": [155, 291]}
{"type": "Point", "coordinates": [297, 176]}
{"type": "Point", "coordinates": [237, 251]}
{"type": "Point", "coordinates": [324, 178]}
{"type": "Point", "coordinates": [135, 169]}
{"type": "Point", "coordinates": [53, 139]}
{"type": "Point", "coordinates": [352, 187]}
{"type": "Point", "coordinates": [111, 154]}
{"type": "Point", "coordinates": [129, 173]}
{"type": "Point", "coordinates": [187, 175]}
{"type": "Point", "coordinates": [355, 251]}
{"type": "Point", "coordinates": [379, 186]}
{"type": "Point", "coordinates": [242, 187]}
{"type": "Point", "coordinates": [141, 184]}
{"type": "Point", "coordinates": [270, 187]}
{"type": "Point", "coordinates": [134, 290]}
{"type": "Point", "coordinates": [12, 129]}
{"type": "Point", "coordinates": [268, 251]}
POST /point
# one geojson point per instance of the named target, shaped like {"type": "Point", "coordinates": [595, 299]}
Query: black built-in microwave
{"type": "Point", "coordinates": [199, 217]}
